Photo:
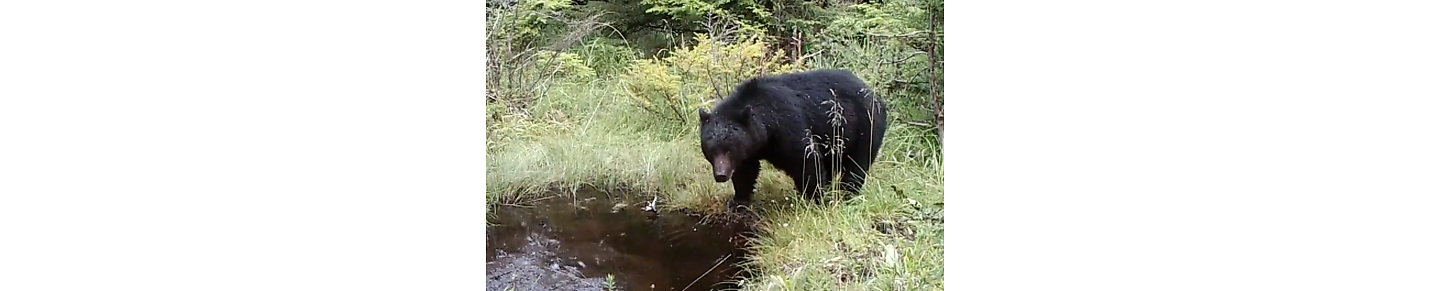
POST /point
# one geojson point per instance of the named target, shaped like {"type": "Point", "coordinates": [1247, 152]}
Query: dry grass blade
{"type": "Point", "coordinates": [707, 272]}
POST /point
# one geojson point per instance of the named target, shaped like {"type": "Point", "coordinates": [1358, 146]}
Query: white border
{"type": "Point", "coordinates": [1188, 145]}
{"type": "Point", "coordinates": [241, 145]}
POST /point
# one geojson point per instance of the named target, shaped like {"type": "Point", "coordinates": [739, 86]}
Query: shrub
{"type": "Point", "coordinates": [564, 65]}
{"type": "Point", "coordinates": [712, 67]}
{"type": "Point", "coordinates": [652, 87]}
{"type": "Point", "coordinates": [672, 88]}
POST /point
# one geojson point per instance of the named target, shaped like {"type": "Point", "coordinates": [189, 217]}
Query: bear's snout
{"type": "Point", "coordinates": [722, 168]}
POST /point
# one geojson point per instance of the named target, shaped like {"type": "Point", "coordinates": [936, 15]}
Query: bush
{"type": "Point", "coordinates": [564, 65]}
{"type": "Point", "coordinates": [713, 67]}
{"type": "Point", "coordinates": [673, 88]}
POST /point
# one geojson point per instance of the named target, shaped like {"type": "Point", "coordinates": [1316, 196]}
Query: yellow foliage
{"type": "Point", "coordinates": [672, 88]}
{"type": "Point", "coordinates": [564, 64]}
{"type": "Point", "coordinates": [712, 64]}
{"type": "Point", "coordinates": [650, 83]}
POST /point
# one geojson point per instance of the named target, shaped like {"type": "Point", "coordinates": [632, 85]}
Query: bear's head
{"type": "Point", "coordinates": [728, 139]}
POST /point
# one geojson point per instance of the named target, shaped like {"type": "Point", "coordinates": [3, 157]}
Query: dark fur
{"type": "Point", "coordinates": [771, 118]}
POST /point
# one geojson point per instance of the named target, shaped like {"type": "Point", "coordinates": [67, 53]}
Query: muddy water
{"type": "Point", "coordinates": [573, 244]}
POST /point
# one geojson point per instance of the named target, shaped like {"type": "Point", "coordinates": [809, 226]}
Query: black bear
{"type": "Point", "coordinates": [807, 124]}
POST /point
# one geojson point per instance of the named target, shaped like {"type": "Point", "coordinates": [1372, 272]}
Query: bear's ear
{"type": "Point", "coordinates": [704, 116]}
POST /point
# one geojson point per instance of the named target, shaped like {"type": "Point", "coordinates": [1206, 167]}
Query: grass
{"type": "Point", "coordinates": [583, 134]}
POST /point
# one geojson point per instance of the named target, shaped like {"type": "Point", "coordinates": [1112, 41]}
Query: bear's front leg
{"type": "Point", "coordinates": [744, 182]}
{"type": "Point", "coordinates": [814, 177]}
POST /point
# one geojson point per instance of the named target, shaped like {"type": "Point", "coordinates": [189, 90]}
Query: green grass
{"type": "Point", "coordinates": [587, 135]}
